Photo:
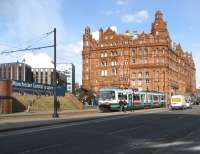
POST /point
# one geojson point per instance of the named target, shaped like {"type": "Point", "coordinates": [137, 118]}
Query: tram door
{"type": "Point", "coordinates": [142, 99]}
{"type": "Point", "coordinates": [130, 100]}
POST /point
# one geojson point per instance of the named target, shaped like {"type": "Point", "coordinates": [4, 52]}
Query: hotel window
{"type": "Point", "coordinates": [157, 51]}
{"type": "Point", "coordinates": [102, 55]}
{"type": "Point", "coordinates": [147, 74]}
{"type": "Point", "coordinates": [145, 51]}
{"type": "Point", "coordinates": [133, 52]}
{"type": "Point", "coordinates": [147, 81]}
{"type": "Point", "coordinates": [111, 54]}
{"type": "Point", "coordinates": [133, 60]}
{"type": "Point", "coordinates": [116, 53]}
{"type": "Point", "coordinates": [104, 73]}
{"type": "Point", "coordinates": [126, 62]}
{"type": "Point", "coordinates": [140, 74]}
{"type": "Point", "coordinates": [133, 75]}
{"type": "Point", "coordinates": [113, 63]}
{"type": "Point", "coordinates": [145, 60]}
{"type": "Point", "coordinates": [133, 82]}
{"type": "Point", "coordinates": [105, 54]}
{"type": "Point", "coordinates": [114, 71]}
{"type": "Point", "coordinates": [104, 63]}
{"type": "Point", "coordinates": [140, 82]}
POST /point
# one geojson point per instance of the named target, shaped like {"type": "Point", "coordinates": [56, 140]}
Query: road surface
{"type": "Point", "coordinates": [163, 132]}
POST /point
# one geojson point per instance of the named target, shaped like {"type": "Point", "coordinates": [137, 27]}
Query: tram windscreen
{"type": "Point", "coordinates": [106, 95]}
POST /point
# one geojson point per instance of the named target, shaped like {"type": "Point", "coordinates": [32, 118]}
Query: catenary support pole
{"type": "Point", "coordinates": [55, 114]}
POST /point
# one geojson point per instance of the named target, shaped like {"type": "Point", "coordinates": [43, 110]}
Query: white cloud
{"type": "Point", "coordinates": [38, 60]}
{"type": "Point", "coordinates": [111, 12]}
{"type": "Point", "coordinates": [95, 35]}
{"type": "Point", "coordinates": [137, 17]}
{"type": "Point", "coordinates": [27, 19]}
{"type": "Point", "coordinates": [122, 2]}
{"type": "Point", "coordinates": [114, 28]}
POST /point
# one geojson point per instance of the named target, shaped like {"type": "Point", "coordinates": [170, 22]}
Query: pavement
{"type": "Point", "coordinates": [24, 120]}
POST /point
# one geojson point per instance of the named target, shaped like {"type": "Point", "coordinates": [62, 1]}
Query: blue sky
{"type": "Point", "coordinates": [22, 23]}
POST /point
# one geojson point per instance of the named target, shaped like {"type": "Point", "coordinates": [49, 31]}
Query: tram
{"type": "Point", "coordinates": [109, 99]}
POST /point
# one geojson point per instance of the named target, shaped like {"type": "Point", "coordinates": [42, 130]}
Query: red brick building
{"type": "Point", "coordinates": [148, 61]}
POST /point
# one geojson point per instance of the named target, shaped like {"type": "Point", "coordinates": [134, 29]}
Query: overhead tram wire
{"type": "Point", "coordinates": [29, 47]}
{"type": "Point", "coordinates": [39, 37]}
{"type": "Point", "coordinates": [26, 49]}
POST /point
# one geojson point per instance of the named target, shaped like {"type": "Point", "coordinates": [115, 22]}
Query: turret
{"type": "Point", "coordinates": [86, 54]}
{"type": "Point", "coordinates": [159, 27]}
{"type": "Point", "coordinates": [179, 49]}
{"type": "Point", "coordinates": [100, 33]}
{"type": "Point", "coordinates": [87, 38]}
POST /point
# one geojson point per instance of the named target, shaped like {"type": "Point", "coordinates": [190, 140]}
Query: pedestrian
{"type": "Point", "coordinates": [125, 105]}
{"type": "Point", "coordinates": [29, 106]}
{"type": "Point", "coordinates": [121, 105]}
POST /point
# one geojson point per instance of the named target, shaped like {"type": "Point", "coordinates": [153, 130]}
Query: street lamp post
{"type": "Point", "coordinates": [55, 114]}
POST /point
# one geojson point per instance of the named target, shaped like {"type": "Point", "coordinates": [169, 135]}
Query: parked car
{"type": "Point", "coordinates": [188, 104]}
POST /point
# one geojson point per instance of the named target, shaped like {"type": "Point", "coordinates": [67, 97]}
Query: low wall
{"type": "Point", "coordinates": [5, 96]}
{"type": "Point", "coordinates": [41, 103]}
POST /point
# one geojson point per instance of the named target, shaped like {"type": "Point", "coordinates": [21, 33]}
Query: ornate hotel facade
{"type": "Point", "coordinates": [147, 61]}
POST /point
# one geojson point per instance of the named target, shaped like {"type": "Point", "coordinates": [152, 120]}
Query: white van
{"type": "Point", "coordinates": [178, 102]}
